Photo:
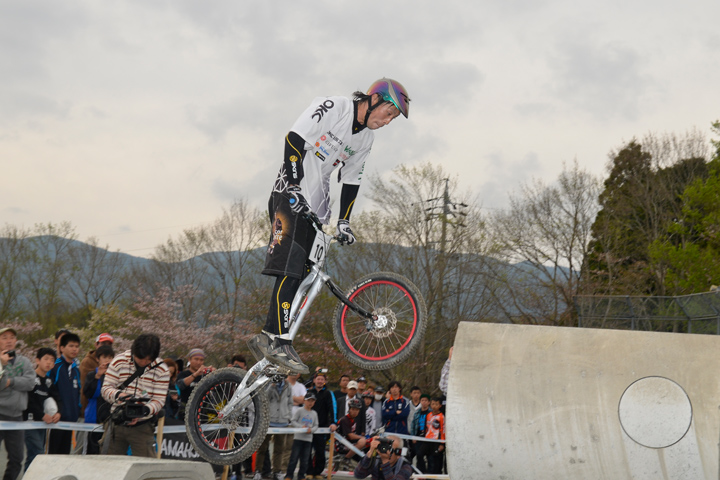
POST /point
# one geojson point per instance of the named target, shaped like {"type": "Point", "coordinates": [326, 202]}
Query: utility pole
{"type": "Point", "coordinates": [448, 212]}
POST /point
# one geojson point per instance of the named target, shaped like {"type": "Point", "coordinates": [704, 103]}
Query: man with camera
{"type": "Point", "coordinates": [136, 384]}
{"type": "Point", "coordinates": [384, 460]}
{"type": "Point", "coordinates": [17, 378]}
{"type": "Point", "coordinates": [188, 379]}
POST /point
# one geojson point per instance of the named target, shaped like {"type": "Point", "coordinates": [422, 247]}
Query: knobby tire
{"type": "Point", "coordinates": [215, 444]}
{"type": "Point", "coordinates": [388, 345]}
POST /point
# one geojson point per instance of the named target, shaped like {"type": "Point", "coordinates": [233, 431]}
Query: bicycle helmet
{"type": "Point", "coordinates": [354, 403]}
{"type": "Point", "coordinates": [392, 91]}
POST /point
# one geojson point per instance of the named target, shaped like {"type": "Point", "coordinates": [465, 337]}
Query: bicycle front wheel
{"type": "Point", "coordinates": [397, 332]}
{"type": "Point", "coordinates": [232, 439]}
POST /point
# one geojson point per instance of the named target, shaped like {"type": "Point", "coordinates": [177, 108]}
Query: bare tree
{"type": "Point", "coordinates": [47, 272]}
{"type": "Point", "coordinates": [13, 255]}
{"type": "Point", "coordinates": [436, 237]}
{"type": "Point", "coordinates": [220, 261]}
{"type": "Point", "coordinates": [97, 276]}
{"type": "Point", "coordinates": [545, 235]}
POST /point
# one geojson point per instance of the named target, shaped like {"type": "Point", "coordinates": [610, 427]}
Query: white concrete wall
{"type": "Point", "coordinates": [100, 467]}
{"type": "Point", "coordinates": [531, 402]}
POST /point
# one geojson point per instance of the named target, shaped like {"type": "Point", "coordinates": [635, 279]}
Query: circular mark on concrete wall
{"type": "Point", "coordinates": [655, 412]}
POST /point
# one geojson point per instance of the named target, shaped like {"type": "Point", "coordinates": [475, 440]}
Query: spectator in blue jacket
{"type": "Point", "coordinates": [66, 381]}
{"type": "Point", "coordinates": [97, 410]}
{"type": "Point", "coordinates": [395, 410]}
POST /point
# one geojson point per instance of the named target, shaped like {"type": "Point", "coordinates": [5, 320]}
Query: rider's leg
{"type": "Point", "coordinates": [277, 346]}
{"type": "Point", "coordinates": [277, 322]}
{"type": "Point", "coordinates": [290, 241]}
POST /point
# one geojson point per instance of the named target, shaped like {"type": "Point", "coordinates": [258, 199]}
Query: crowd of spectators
{"type": "Point", "coordinates": [60, 388]}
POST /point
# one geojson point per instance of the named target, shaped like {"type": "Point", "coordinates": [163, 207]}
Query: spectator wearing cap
{"type": "Point", "coordinates": [352, 394]}
{"type": "Point", "coordinates": [16, 380]}
{"type": "Point", "coordinates": [306, 418]}
{"type": "Point", "coordinates": [350, 428]}
{"type": "Point", "coordinates": [188, 379]}
{"type": "Point", "coordinates": [370, 415]}
{"type": "Point", "coordinates": [362, 384]}
{"type": "Point", "coordinates": [97, 410]}
{"type": "Point", "coordinates": [91, 362]}
{"type": "Point", "coordinates": [377, 405]}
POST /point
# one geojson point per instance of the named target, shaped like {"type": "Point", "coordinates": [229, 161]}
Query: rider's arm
{"type": "Point", "coordinates": [186, 377]}
{"type": "Point", "coordinates": [293, 157]}
{"type": "Point", "coordinates": [347, 200]}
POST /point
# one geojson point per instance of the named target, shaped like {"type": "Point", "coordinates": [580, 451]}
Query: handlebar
{"type": "Point", "coordinates": [313, 219]}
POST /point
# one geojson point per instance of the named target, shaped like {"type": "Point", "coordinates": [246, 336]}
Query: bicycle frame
{"type": "Point", "coordinates": [307, 292]}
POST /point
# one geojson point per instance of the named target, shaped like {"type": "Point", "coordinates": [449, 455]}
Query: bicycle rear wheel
{"type": "Point", "coordinates": [232, 439]}
{"type": "Point", "coordinates": [394, 336]}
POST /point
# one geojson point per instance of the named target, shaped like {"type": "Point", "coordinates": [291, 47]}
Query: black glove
{"type": "Point", "coordinates": [146, 411]}
{"type": "Point", "coordinates": [298, 204]}
{"type": "Point", "coordinates": [345, 235]}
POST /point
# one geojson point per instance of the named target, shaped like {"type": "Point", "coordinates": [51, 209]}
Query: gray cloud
{"type": "Point", "coordinates": [15, 210]}
{"type": "Point", "coordinates": [606, 80]}
{"type": "Point", "coordinates": [195, 97]}
{"type": "Point", "coordinates": [505, 175]}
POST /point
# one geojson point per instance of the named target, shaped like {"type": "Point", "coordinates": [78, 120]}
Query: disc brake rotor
{"type": "Point", "coordinates": [384, 326]}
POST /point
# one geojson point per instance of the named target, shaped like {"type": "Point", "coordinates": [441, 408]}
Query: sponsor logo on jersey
{"type": "Point", "coordinates": [276, 234]}
{"type": "Point", "coordinates": [320, 156]}
{"type": "Point", "coordinates": [350, 151]}
{"type": "Point", "coordinates": [322, 149]}
{"type": "Point", "coordinates": [293, 163]}
{"type": "Point", "coordinates": [286, 314]}
{"type": "Point", "coordinates": [334, 137]}
{"type": "Point", "coordinates": [322, 109]}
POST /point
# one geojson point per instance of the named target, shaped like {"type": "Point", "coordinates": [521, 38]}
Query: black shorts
{"type": "Point", "coordinates": [291, 238]}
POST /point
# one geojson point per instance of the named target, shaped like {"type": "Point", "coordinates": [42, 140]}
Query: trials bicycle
{"type": "Point", "coordinates": [377, 325]}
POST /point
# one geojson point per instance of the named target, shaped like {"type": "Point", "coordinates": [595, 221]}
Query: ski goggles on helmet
{"type": "Point", "coordinates": [392, 91]}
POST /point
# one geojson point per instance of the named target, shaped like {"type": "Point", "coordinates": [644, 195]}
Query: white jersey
{"type": "Point", "coordinates": [326, 127]}
{"type": "Point", "coordinates": [298, 390]}
{"type": "Point", "coordinates": [370, 421]}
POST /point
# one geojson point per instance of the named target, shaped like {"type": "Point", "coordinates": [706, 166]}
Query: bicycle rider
{"type": "Point", "coordinates": [333, 132]}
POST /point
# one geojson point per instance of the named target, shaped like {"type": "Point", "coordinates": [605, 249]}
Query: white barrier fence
{"type": "Point", "coordinates": [171, 429]}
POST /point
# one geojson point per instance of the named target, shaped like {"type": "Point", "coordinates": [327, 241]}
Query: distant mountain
{"type": "Point", "coordinates": [91, 273]}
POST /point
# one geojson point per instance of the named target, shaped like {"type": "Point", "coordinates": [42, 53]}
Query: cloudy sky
{"type": "Point", "coordinates": [135, 119]}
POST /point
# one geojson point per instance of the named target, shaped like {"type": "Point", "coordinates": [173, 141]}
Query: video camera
{"type": "Point", "coordinates": [130, 409]}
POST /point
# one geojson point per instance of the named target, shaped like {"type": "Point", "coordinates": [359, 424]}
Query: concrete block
{"type": "Point", "coordinates": [110, 467]}
{"type": "Point", "coordinates": [534, 402]}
